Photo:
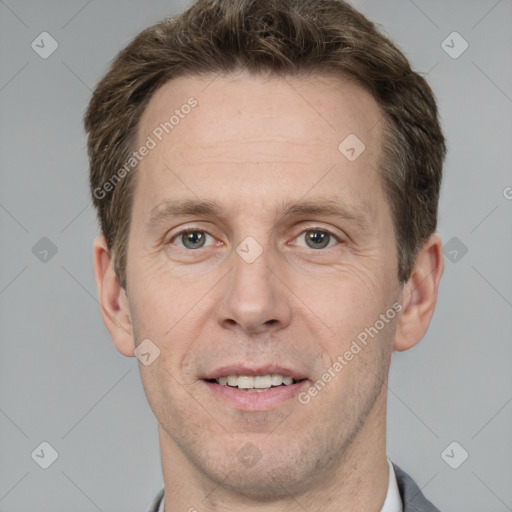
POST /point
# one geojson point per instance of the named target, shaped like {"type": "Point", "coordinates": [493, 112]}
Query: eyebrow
{"type": "Point", "coordinates": [327, 207]}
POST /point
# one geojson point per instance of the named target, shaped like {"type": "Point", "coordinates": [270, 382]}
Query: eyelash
{"type": "Point", "coordinates": [193, 230]}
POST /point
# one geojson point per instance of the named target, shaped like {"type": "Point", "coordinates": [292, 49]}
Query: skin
{"type": "Point", "coordinates": [253, 144]}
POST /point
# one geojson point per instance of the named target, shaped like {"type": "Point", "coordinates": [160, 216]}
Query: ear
{"type": "Point", "coordinates": [113, 300]}
{"type": "Point", "coordinates": [419, 294]}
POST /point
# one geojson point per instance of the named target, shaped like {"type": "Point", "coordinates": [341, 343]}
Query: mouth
{"type": "Point", "coordinates": [255, 384]}
{"type": "Point", "coordinates": [255, 389]}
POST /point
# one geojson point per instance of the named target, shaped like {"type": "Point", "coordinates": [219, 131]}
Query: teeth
{"type": "Point", "coordinates": [248, 382]}
{"type": "Point", "coordinates": [245, 382]}
{"type": "Point", "coordinates": [262, 382]}
{"type": "Point", "coordinates": [276, 380]}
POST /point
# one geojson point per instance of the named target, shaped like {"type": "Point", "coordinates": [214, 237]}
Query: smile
{"type": "Point", "coordinates": [255, 384]}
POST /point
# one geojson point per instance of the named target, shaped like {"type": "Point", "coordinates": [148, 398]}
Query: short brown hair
{"type": "Point", "coordinates": [284, 38]}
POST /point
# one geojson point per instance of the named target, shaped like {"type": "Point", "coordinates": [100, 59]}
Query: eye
{"type": "Point", "coordinates": [318, 238]}
{"type": "Point", "coordinates": [191, 239]}
{"type": "Point", "coordinates": [314, 238]}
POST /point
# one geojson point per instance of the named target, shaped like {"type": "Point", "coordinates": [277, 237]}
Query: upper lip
{"type": "Point", "coordinates": [245, 369]}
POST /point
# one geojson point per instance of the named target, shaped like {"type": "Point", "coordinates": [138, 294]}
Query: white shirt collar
{"type": "Point", "coordinates": [392, 503]}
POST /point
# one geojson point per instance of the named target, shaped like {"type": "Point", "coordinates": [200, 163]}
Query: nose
{"type": "Point", "coordinates": [254, 298]}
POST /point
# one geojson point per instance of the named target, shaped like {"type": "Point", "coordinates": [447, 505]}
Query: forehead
{"type": "Point", "coordinates": [248, 132]}
{"type": "Point", "coordinates": [306, 109]}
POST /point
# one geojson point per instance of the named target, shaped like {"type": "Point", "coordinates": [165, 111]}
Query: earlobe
{"type": "Point", "coordinates": [113, 301]}
{"type": "Point", "coordinates": [419, 295]}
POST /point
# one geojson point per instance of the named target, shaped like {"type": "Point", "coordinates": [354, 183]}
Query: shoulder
{"type": "Point", "coordinates": [412, 498]}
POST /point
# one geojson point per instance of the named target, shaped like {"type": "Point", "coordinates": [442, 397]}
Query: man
{"type": "Point", "coordinates": [267, 174]}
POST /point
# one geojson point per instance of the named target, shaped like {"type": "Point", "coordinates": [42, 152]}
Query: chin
{"type": "Point", "coordinates": [270, 474]}
{"type": "Point", "coordinates": [266, 482]}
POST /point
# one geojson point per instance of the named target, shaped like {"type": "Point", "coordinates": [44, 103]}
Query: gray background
{"type": "Point", "coordinates": [63, 382]}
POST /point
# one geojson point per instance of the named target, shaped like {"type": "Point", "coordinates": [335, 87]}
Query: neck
{"type": "Point", "coordinates": [357, 480]}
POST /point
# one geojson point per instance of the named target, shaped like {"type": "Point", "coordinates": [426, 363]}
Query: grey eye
{"type": "Point", "coordinates": [317, 239]}
{"type": "Point", "coordinates": [192, 239]}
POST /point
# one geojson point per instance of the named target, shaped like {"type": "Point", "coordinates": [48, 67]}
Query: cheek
{"type": "Point", "coordinates": [162, 300]}
{"type": "Point", "coordinates": [174, 322]}
{"type": "Point", "coordinates": [348, 299]}
{"type": "Point", "coordinates": [167, 397]}
{"type": "Point", "coordinates": [356, 371]}
{"type": "Point", "coordinates": [351, 305]}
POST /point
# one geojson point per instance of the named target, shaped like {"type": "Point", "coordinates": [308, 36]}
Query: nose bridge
{"type": "Point", "coordinates": [253, 297]}
{"type": "Point", "coordinates": [251, 268]}
{"type": "Point", "coordinates": [251, 276]}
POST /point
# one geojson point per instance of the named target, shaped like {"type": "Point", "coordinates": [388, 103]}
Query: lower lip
{"type": "Point", "coordinates": [256, 401]}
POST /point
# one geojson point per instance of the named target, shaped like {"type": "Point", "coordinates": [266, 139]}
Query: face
{"type": "Point", "coordinates": [260, 248]}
